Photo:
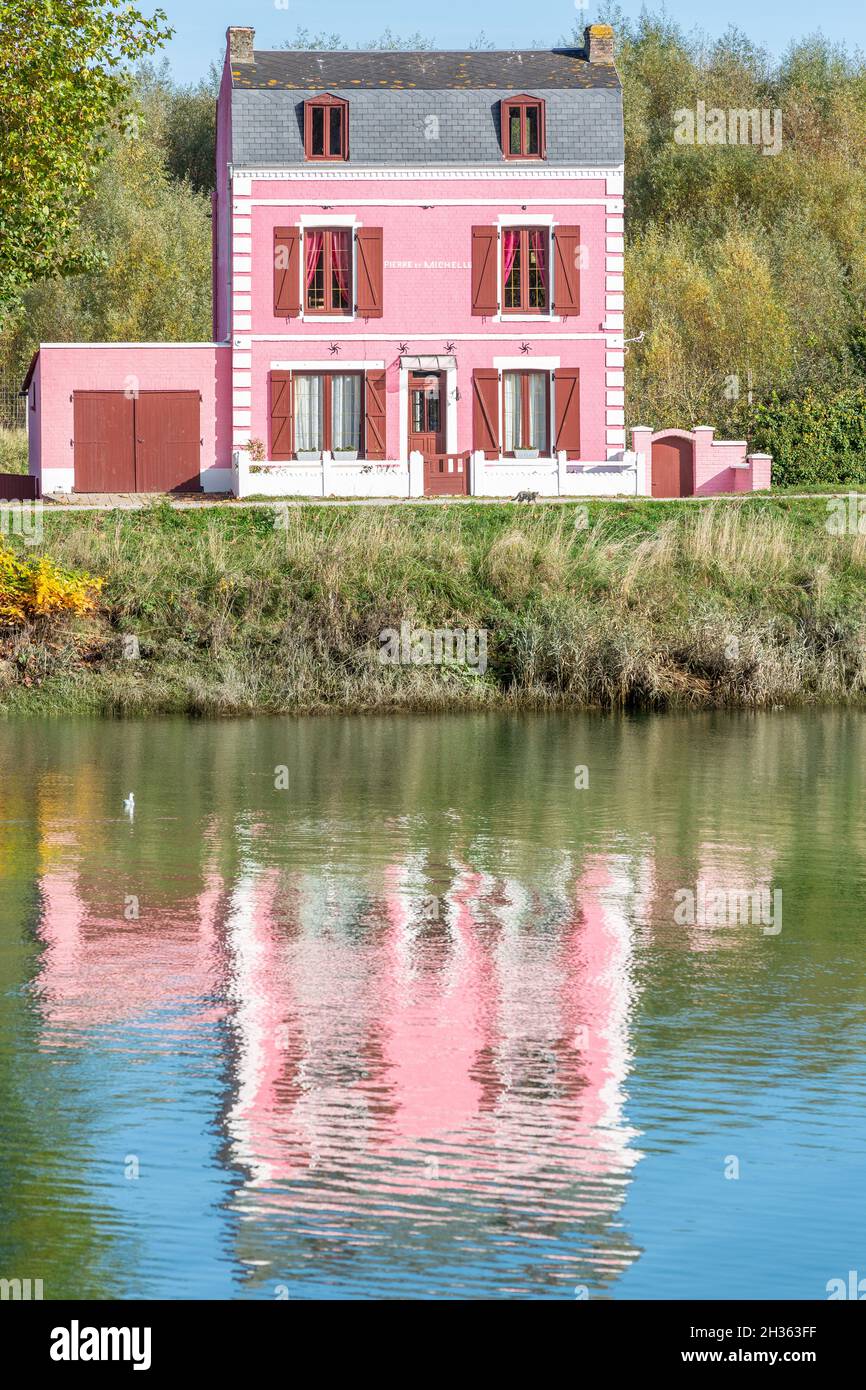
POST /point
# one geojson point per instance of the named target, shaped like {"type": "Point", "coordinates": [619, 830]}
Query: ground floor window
{"type": "Point", "coordinates": [328, 411]}
{"type": "Point", "coordinates": [526, 411]}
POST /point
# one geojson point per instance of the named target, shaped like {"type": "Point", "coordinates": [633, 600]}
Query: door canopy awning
{"type": "Point", "coordinates": [429, 364]}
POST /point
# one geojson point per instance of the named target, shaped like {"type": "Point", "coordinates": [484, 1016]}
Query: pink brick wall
{"type": "Point", "coordinates": [427, 290]}
{"type": "Point", "coordinates": [221, 212]}
{"type": "Point", "coordinates": [63, 369]}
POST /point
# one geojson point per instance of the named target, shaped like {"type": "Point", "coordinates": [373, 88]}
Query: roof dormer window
{"type": "Point", "coordinates": [523, 128]}
{"type": "Point", "coordinates": [326, 128]}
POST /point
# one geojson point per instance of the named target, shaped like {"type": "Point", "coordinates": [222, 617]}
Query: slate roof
{"type": "Point", "coordinates": [538, 68]}
{"type": "Point", "coordinates": [426, 109]}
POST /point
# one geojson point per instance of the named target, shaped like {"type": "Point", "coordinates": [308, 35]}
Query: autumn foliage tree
{"type": "Point", "coordinates": [64, 82]}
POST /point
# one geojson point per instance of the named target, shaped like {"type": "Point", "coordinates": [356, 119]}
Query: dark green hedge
{"type": "Point", "coordinates": [815, 438]}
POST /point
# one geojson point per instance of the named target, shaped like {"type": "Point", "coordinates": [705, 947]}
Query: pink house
{"type": "Point", "coordinates": [418, 290]}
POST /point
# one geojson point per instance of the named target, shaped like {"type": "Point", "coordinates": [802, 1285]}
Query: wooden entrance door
{"type": "Point", "coordinates": [104, 453]}
{"type": "Point", "coordinates": [673, 469]}
{"type": "Point", "coordinates": [150, 443]}
{"type": "Point", "coordinates": [426, 413]}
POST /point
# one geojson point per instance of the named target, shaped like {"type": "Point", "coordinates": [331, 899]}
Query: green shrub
{"type": "Point", "coordinates": [814, 439]}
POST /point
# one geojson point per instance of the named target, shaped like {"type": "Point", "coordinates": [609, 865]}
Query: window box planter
{"type": "Point", "coordinates": [308, 455]}
{"type": "Point", "coordinates": [526, 453]}
{"type": "Point", "coordinates": [345, 455]}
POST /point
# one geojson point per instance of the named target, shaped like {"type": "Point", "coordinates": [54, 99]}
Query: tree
{"type": "Point", "coordinates": [153, 234]}
{"type": "Point", "coordinates": [63, 84]}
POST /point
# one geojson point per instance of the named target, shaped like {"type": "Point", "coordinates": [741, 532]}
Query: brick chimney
{"type": "Point", "coordinates": [599, 43]}
{"type": "Point", "coordinates": [240, 45]}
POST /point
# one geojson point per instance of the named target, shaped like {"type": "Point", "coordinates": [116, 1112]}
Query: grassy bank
{"type": "Point", "coordinates": [13, 450]}
{"type": "Point", "coordinates": [747, 603]}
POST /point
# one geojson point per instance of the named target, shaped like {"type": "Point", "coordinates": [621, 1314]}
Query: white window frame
{"type": "Point", "coordinates": [318, 223]}
{"type": "Point", "coordinates": [511, 222]}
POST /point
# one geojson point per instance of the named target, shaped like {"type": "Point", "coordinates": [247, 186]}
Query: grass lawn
{"type": "Point", "coordinates": [638, 604]}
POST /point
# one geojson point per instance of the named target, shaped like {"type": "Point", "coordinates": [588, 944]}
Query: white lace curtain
{"type": "Point", "coordinates": [310, 396]}
{"type": "Point", "coordinates": [345, 412]}
{"type": "Point", "coordinates": [535, 386]}
{"type": "Point", "coordinates": [309, 412]}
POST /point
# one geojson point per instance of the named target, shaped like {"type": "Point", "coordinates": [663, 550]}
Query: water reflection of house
{"type": "Point", "coordinates": [397, 1072]}
{"type": "Point", "coordinates": [401, 1077]}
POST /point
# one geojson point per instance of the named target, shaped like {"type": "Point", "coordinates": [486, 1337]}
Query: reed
{"type": "Point", "coordinates": [748, 603]}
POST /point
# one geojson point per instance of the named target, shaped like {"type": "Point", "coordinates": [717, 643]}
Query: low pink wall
{"type": "Point", "coordinates": [722, 465]}
{"type": "Point", "coordinates": [63, 369]}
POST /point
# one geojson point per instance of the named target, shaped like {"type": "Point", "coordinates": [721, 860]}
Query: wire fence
{"type": "Point", "coordinates": [13, 407]}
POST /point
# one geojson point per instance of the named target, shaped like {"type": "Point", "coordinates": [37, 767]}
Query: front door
{"type": "Point", "coordinates": [426, 413]}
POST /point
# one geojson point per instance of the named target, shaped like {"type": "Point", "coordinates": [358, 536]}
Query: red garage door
{"type": "Point", "coordinates": [167, 444]}
{"type": "Point", "coordinates": [149, 444]}
{"type": "Point", "coordinates": [103, 424]}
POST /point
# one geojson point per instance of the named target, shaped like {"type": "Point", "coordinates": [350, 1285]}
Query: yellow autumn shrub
{"type": "Point", "coordinates": [37, 587]}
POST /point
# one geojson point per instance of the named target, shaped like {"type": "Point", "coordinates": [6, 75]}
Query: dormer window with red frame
{"type": "Point", "coordinates": [326, 128]}
{"type": "Point", "coordinates": [523, 128]}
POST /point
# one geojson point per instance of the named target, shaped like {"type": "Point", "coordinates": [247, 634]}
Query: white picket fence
{"type": "Point", "coordinates": [625, 475]}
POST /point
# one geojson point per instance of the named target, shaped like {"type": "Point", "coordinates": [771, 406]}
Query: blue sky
{"type": "Point", "coordinates": [201, 26]}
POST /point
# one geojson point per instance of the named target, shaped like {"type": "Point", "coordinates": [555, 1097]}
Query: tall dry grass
{"type": "Point", "coordinates": [633, 605]}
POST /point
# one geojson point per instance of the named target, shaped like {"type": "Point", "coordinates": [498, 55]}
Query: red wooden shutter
{"type": "Point", "coordinates": [281, 415]}
{"type": "Point", "coordinates": [566, 272]}
{"type": "Point", "coordinates": [485, 244]}
{"type": "Point", "coordinates": [370, 294]}
{"type": "Point", "coordinates": [485, 411]}
{"type": "Point", "coordinates": [287, 275]}
{"type": "Point", "coordinates": [567, 389]}
{"type": "Point", "coordinates": [376, 444]}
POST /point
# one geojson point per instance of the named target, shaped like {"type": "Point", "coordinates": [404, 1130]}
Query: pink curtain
{"type": "Point", "coordinates": [340, 260]}
{"type": "Point", "coordinates": [512, 241]}
{"type": "Point", "coordinates": [315, 243]}
{"type": "Point", "coordinates": [539, 239]}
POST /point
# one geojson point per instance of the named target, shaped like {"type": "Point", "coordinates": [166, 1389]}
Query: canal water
{"type": "Point", "coordinates": [531, 1006]}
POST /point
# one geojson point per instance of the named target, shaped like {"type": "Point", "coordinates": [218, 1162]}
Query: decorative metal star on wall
{"type": "Point", "coordinates": [402, 347]}
{"type": "Point", "coordinates": [449, 347]}
{"type": "Point", "coordinates": [525, 348]}
{"type": "Point", "coordinates": [335, 349]}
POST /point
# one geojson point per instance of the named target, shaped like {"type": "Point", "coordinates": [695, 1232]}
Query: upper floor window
{"type": "Point", "coordinates": [326, 128]}
{"type": "Point", "coordinates": [523, 128]}
{"type": "Point", "coordinates": [328, 270]}
{"type": "Point", "coordinates": [526, 270]}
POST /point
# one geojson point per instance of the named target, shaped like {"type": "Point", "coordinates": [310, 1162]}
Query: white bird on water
{"type": "Point", "coordinates": [129, 805]}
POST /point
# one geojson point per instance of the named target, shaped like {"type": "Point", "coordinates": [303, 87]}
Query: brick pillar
{"type": "Point", "coordinates": [641, 443]}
